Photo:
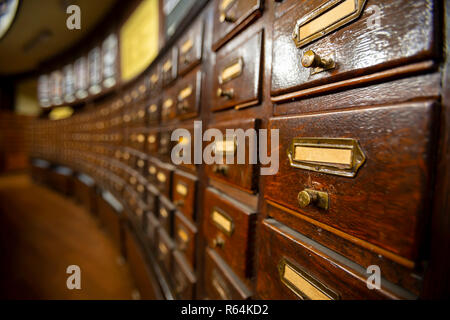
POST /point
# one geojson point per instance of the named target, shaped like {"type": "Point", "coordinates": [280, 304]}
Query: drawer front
{"type": "Point", "coordinates": [164, 181]}
{"type": "Point", "coordinates": [137, 140]}
{"type": "Point", "coordinates": [231, 16]}
{"type": "Point", "coordinates": [165, 144]}
{"type": "Point", "coordinates": [155, 81]}
{"type": "Point", "coordinates": [229, 229]}
{"type": "Point", "coordinates": [189, 95]}
{"type": "Point", "coordinates": [141, 164]}
{"type": "Point", "coordinates": [152, 226]}
{"type": "Point", "coordinates": [169, 68]}
{"type": "Point", "coordinates": [169, 105]}
{"type": "Point", "coordinates": [152, 141]}
{"type": "Point", "coordinates": [154, 111]}
{"type": "Point", "coordinates": [183, 194]}
{"type": "Point", "coordinates": [190, 48]}
{"type": "Point", "coordinates": [360, 47]}
{"type": "Point", "coordinates": [220, 282]}
{"type": "Point", "coordinates": [152, 172]}
{"type": "Point", "coordinates": [152, 198]}
{"type": "Point", "coordinates": [290, 266]}
{"type": "Point", "coordinates": [237, 74]}
{"type": "Point", "coordinates": [139, 115]}
{"type": "Point", "coordinates": [183, 278]}
{"type": "Point", "coordinates": [184, 236]}
{"type": "Point", "coordinates": [166, 214]}
{"type": "Point", "coordinates": [367, 176]}
{"type": "Point", "coordinates": [243, 176]}
{"type": "Point", "coordinates": [164, 249]}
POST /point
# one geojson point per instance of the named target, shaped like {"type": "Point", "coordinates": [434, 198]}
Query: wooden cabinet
{"type": "Point", "coordinates": [353, 97]}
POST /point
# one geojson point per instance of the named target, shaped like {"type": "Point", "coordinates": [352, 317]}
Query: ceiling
{"type": "Point", "coordinates": [39, 32]}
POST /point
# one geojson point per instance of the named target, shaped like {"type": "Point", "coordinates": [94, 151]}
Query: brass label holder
{"type": "Point", "coordinates": [232, 71]}
{"type": "Point", "coordinates": [336, 156]}
{"type": "Point", "coordinates": [222, 221]}
{"type": "Point", "coordinates": [302, 284]}
{"type": "Point", "coordinates": [325, 19]}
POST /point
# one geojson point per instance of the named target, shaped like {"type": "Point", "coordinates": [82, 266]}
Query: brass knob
{"type": "Point", "coordinates": [311, 59]}
{"type": "Point", "coordinates": [179, 203]}
{"type": "Point", "coordinates": [220, 169]}
{"type": "Point", "coordinates": [218, 242]}
{"type": "Point", "coordinates": [311, 197]}
{"type": "Point", "coordinates": [226, 18]}
{"type": "Point", "coordinates": [305, 198]}
{"type": "Point", "coordinates": [183, 105]}
{"type": "Point", "coordinates": [225, 93]}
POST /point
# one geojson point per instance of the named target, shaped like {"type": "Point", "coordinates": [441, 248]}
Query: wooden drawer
{"type": "Point", "coordinates": [220, 282]}
{"type": "Point", "coordinates": [152, 136]}
{"type": "Point", "coordinates": [165, 143]}
{"type": "Point", "coordinates": [237, 74]}
{"type": "Point", "coordinates": [360, 47]}
{"type": "Point", "coordinates": [374, 167]}
{"type": "Point", "coordinates": [155, 80]}
{"type": "Point", "coordinates": [185, 233]}
{"type": "Point", "coordinates": [243, 176]}
{"type": "Point", "coordinates": [152, 171]}
{"type": "Point", "coordinates": [164, 180]}
{"type": "Point", "coordinates": [190, 48]}
{"type": "Point", "coordinates": [189, 95]}
{"type": "Point", "coordinates": [141, 163]}
{"type": "Point", "coordinates": [154, 111]}
{"type": "Point", "coordinates": [152, 198]}
{"type": "Point", "coordinates": [291, 266]}
{"type": "Point", "coordinates": [183, 278]}
{"type": "Point", "coordinates": [169, 67]}
{"type": "Point", "coordinates": [138, 117]}
{"type": "Point", "coordinates": [184, 193]}
{"type": "Point", "coordinates": [169, 105]}
{"type": "Point", "coordinates": [164, 249]}
{"type": "Point", "coordinates": [152, 226]}
{"type": "Point", "coordinates": [229, 228]}
{"type": "Point", "coordinates": [231, 16]}
{"type": "Point", "coordinates": [137, 139]}
{"type": "Point", "coordinates": [166, 212]}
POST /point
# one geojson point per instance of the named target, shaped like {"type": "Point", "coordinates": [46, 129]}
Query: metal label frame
{"type": "Point", "coordinates": [326, 7]}
{"type": "Point", "coordinates": [357, 160]}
